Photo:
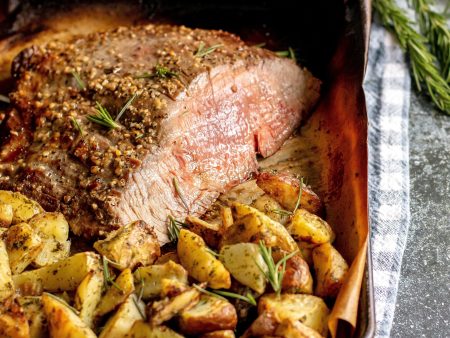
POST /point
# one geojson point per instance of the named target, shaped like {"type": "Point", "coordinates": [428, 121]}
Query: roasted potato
{"type": "Point", "coordinates": [168, 256]}
{"type": "Point", "coordinates": [251, 225]}
{"type": "Point", "coordinates": [200, 262]}
{"type": "Point", "coordinates": [132, 245]}
{"type": "Point", "coordinates": [150, 277]}
{"type": "Point", "coordinates": [6, 214]}
{"type": "Point", "coordinates": [122, 321]}
{"type": "Point", "coordinates": [310, 310]}
{"type": "Point", "coordinates": [297, 277]}
{"type": "Point", "coordinates": [13, 322]}
{"type": "Point", "coordinates": [331, 270]}
{"type": "Point", "coordinates": [117, 293]}
{"type": "Point", "coordinates": [23, 246]}
{"type": "Point", "coordinates": [285, 188]}
{"type": "Point", "coordinates": [172, 287]}
{"type": "Point", "coordinates": [271, 208]}
{"type": "Point", "coordinates": [88, 296]}
{"type": "Point", "coordinates": [263, 326]}
{"type": "Point", "coordinates": [227, 218]}
{"type": "Point", "coordinates": [210, 232]}
{"type": "Point", "coordinates": [307, 227]}
{"type": "Point", "coordinates": [295, 329]}
{"type": "Point", "coordinates": [23, 207]}
{"type": "Point", "coordinates": [142, 329]}
{"type": "Point", "coordinates": [245, 263]}
{"type": "Point", "coordinates": [209, 314]}
{"type": "Point", "coordinates": [219, 334]}
{"type": "Point", "coordinates": [64, 275]}
{"type": "Point", "coordinates": [6, 282]}
{"type": "Point", "coordinates": [62, 321]}
{"type": "Point", "coordinates": [306, 251]}
{"type": "Point", "coordinates": [164, 310]}
{"type": "Point", "coordinates": [34, 313]}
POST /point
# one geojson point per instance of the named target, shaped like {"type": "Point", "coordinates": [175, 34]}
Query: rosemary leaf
{"type": "Point", "coordinates": [77, 126]}
{"type": "Point", "coordinates": [259, 45]}
{"type": "Point", "coordinates": [107, 277]}
{"type": "Point", "coordinates": [281, 212]}
{"type": "Point", "coordinates": [202, 51]}
{"type": "Point", "coordinates": [103, 117]}
{"type": "Point", "coordinates": [80, 82]}
{"type": "Point", "coordinates": [59, 299]}
{"type": "Point", "coordinates": [222, 294]}
{"type": "Point", "coordinates": [299, 198]}
{"type": "Point", "coordinates": [174, 228]}
{"type": "Point", "coordinates": [290, 53]}
{"type": "Point", "coordinates": [4, 98]}
{"type": "Point", "coordinates": [159, 72]}
{"type": "Point", "coordinates": [179, 193]}
{"type": "Point", "coordinates": [212, 252]}
{"type": "Point", "coordinates": [136, 303]}
{"type": "Point", "coordinates": [125, 107]}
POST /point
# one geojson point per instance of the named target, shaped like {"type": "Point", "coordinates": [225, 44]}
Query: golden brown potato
{"type": "Point", "coordinates": [297, 277]}
{"type": "Point", "coordinates": [200, 262]}
{"type": "Point", "coordinates": [164, 310]}
{"type": "Point", "coordinates": [23, 246]}
{"type": "Point", "coordinates": [13, 322]}
{"type": "Point", "coordinates": [263, 326]}
{"type": "Point", "coordinates": [88, 296]}
{"type": "Point", "coordinates": [142, 329]}
{"type": "Point", "coordinates": [6, 214]}
{"type": "Point", "coordinates": [227, 218]}
{"type": "Point", "coordinates": [331, 270]}
{"type": "Point", "coordinates": [285, 188]}
{"type": "Point", "coordinates": [132, 245]}
{"type": "Point", "coordinates": [171, 287]}
{"type": "Point", "coordinates": [295, 329]}
{"type": "Point", "coordinates": [117, 293]}
{"type": "Point", "coordinates": [310, 310]}
{"type": "Point", "coordinates": [251, 225]}
{"type": "Point", "coordinates": [306, 251]}
{"type": "Point", "coordinates": [34, 312]}
{"type": "Point", "coordinates": [62, 321]}
{"type": "Point", "coordinates": [150, 277]}
{"type": "Point", "coordinates": [208, 231]}
{"type": "Point", "coordinates": [6, 282]}
{"type": "Point", "coordinates": [209, 314]}
{"type": "Point", "coordinates": [23, 207]}
{"type": "Point", "coordinates": [219, 334]}
{"type": "Point", "coordinates": [307, 227]}
{"type": "Point", "coordinates": [271, 208]}
{"type": "Point", "coordinates": [168, 256]}
{"type": "Point", "coordinates": [64, 275]}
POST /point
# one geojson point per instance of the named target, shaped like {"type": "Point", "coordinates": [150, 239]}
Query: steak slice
{"type": "Point", "coordinates": [204, 105]}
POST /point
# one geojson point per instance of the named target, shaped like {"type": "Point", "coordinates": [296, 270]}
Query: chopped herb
{"type": "Point", "coordinates": [212, 252]}
{"type": "Point", "coordinates": [77, 126]}
{"type": "Point", "coordinates": [139, 136]}
{"type": "Point", "coordinates": [174, 228]}
{"type": "Point", "coordinates": [287, 53]}
{"type": "Point", "coordinates": [180, 195]}
{"type": "Point", "coordinates": [222, 294]}
{"type": "Point", "coordinates": [103, 117]}
{"type": "Point", "coordinates": [299, 198]}
{"type": "Point", "coordinates": [160, 72]}
{"type": "Point", "coordinates": [4, 98]}
{"type": "Point", "coordinates": [202, 51]}
{"type": "Point", "coordinates": [78, 79]}
{"type": "Point", "coordinates": [125, 107]}
{"type": "Point", "coordinates": [107, 277]}
{"type": "Point", "coordinates": [136, 302]}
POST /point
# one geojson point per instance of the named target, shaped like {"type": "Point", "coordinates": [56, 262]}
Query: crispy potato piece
{"type": "Point", "coordinates": [88, 296]}
{"type": "Point", "coordinates": [132, 245]}
{"type": "Point", "coordinates": [52, 252]}
{"type": "Point", "coordinates": [168, 256]}
{"type": "Point", "coordinates": [310, 310]}
{"type": "Point", "coordinates": [6, 214]}
{"type": "Point", "coordinates": [13, 322]}
{"type": "Point", "coordinates": [245, 263]}
{"type": "Point", "coordinates": [219, 334]}
{"type": "Point", "coordinates": [23, 207]}
{"type": "Point", "coordinates": [199, 262]}
{"type": "Point", "coordinates": [172, 287]}
{"type": "Point", "coordinates": [150, 278]}
{"type": "Point", "coordinates": [297, 277]}
{"type": "Point", "coordinates": [251, 225]}
{"type": "Point", "coordinates": [23, 246]}
{"type": "Point", "coordinates": [310, 228]}
{"type": "Point", "coordinates": [142, 329]}
{"type": "Point", "coordinates": [263, 326]}
{"type": "Point", "coordinates": [209, 314]}
{"type": "Point", "coordinates": [62, 321]}
{"type": "Point", "coordinates": [208, 231]}
{"type": "Point", "coordinates": [64, 275]}
{"type": "Point", "coordinates": [164, 310]}
{"type": "Point", "coordinates": [226, 216]}
{"type": "Point", "coordinates": [115, 295]}
{"type": "Point", "coordinates": [306, 251]}
{"type": "Point", "coordinates": [295, 329]}
{"type": "Point", "coordinates": [34, 312]}
{"type": "Point", "coordinates": [331, 270]}
{"type": "Point", "coordinates": [271, 208]}
{"type": "Point", "coordinates": [6, 282]}
{"type": "Point", "coordinates": [285, 188]}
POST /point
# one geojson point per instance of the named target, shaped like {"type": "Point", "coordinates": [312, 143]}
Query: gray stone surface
{"type": "Point", "coordinates": [423, 303]}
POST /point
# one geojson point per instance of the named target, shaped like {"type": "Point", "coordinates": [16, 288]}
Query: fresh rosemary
{"type": "Point", "coordinates": [281, 212]}
{"type": "Point", "coordinates": [222, 294]}
{"type": "Point", "coordinates": [103, 117]}
{"type": "Point", "coordinates": [136, 303]}
{"type": "Point", "coordinates": [159, 72]}
{"type": "Point", "coordinates": [4, 98]}
{"type": "Point", "coordinates": [290, 53]}
{"type": "Point", "coordinates": [174, 228]}
{"type": "Point", "coordinates": [125, 107]}
{"type": "Point", "coordinates": [107, 277]}
{"type": "Point", "coordinates": [76, 125]}
{"type": "Point", "coordinates": [299, 197]}
{"type": "Point", "coordinates": [179, 193]}
{"type": "Point", "coordinates": [59, 299]}
{"type": "Point", "coordinates": [202, 51]}
{"type": "Point", "coordinates": [80, 82]}
{"type": "Point", "coordinates": [212, 252]}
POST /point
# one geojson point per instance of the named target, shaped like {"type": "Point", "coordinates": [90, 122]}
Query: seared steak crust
{"type": "Point", "coordinates": [193, 130]}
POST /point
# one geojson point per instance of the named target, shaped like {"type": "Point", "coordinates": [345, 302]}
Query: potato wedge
{"type": "Point", "coordinates": [245, 263]}
{"type": "Point", "coordinates": [23, 207]}
{"type": "Point", "coordinates": [263, 326]}
{"type": "Point", "coordinates": [34, 312]}
{"type": "Point", "coordinates": [142, 329]}
{"type": "Point", "coordinates": [209, 314]}
{"type": "Point", "coordinates": [132, 245]}
{"type": "Point", "coordinates": [310, 310]}
{"type": "Point", "coordinates": [64, 275]}
{"type": "Point", "coordinates": [6, 215]}
{"type": "Point", "coordinates": [227, 218]}
{"type": "Point", "coordinates": [122, 321]}
{"type": "Point", "coordinates": [23, 246]}
{"type": "Point", "coordinates": [88, 296]}
{"type": "Point", "coordinates": [6, 282]}
{"type": "Point", "coordinates": [271, 208]}
{"type": "Point", "coordinates": [116, 294]}
{"type": "Point", "coordinates": [199, 262]}
{"type": "Point", "coordinates": [171, 287]}
{"type": "Point", "coordinates": [150, 277]}
{"type": "Point", "coordinates": [13, 322]}
{"type": "Point", "coordinates": [295, 329]}
{"type": "Point", "coordinates": [52, 251]}
{"type": "Point", "coordinates": [62, 321]}
{"type": "Point", "coordinates": [306, 251]}
{"type": "Point", "coordinates": [331, 270]}
{"type": "Point", "coordinates": [285, 188]}
{"type": "Point", "coordinates": [251, 225]}
{"type": "Point", "coordinates": [51, 224]}
{"type": "Point", "coordinates": [307, 227]}
{"type": "Point", "coordinates": [210, 232]}
{"type": "Point", "coordinates": [219, 334]}
{"type": "Point", "coordinates": [297, 276]}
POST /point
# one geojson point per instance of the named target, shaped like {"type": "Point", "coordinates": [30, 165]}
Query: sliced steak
{"type": "Point", "coordinates": [205, 105]}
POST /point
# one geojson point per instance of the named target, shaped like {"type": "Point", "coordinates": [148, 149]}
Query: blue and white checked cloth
{"type": "Point", "coordinates": [387, 88]}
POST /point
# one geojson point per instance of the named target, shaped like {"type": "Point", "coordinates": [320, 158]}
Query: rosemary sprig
{"type": "Point", "coordinates": [125, 107]}
{"type": "Point", "coordinates": [281, 212]}
{"type": "Point", "coordinates": [299, 197]}
{"type": "Point", "coordinates": [76, 125]}
{"type": "Point", "coordinates": [107, 277]}
{"type": "Point", "coordinates": [259, 45]}
{"type": "Point", "coordinates": [174, 228]}
{"type": "Point", "coordinates": [222, 294]}
{"type": "Point", "coordinates": [179, 193]}
{"type": "Point", "coordinates": [423, 63]}
{"type": "Point", "coordinates": [4, 98]}
{"type": "Point", "coordinates": [202, 51]}
{"type": "Point", "coordinates": [290, 53]}
{"type": "Point", "coordinates": [160, 72]}
{"type": "Point", "coordinates": [59, 299]}
{"type": "Point", "coordinates": [80, 82]}
{"type": "Point", "coordinates": [136, 303]}
{"type": "Point", "coordinates": [103, 117]}
{"type": "Point", "coordinates": [275, 272]}
{"type": "Point", "coordinates": [434, 26]}
{"type": "Point", "coordinates": [212, 252]}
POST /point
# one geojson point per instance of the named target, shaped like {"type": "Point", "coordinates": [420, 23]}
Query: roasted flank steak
{"type": "Point", "coordinates": [201, 105]}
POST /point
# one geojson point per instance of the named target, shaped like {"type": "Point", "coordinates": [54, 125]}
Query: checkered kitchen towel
{"type": "Point", "coordinates": [387, 88]}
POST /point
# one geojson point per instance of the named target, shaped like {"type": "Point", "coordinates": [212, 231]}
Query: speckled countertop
{"type": "Point", "coordinates": [423, 303]}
